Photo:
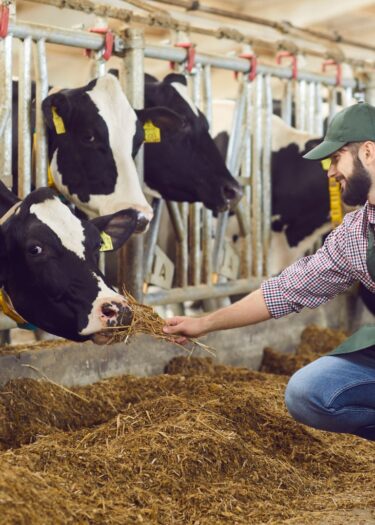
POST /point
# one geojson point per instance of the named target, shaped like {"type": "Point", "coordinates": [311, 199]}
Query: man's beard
{"type": "Point", "coordinates": [357, 187]}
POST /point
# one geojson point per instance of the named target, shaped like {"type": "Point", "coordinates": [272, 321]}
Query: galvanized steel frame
{"type": "Point", "coordinates": [198, 284]}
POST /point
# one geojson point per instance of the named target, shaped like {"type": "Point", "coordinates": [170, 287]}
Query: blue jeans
{"type": "Point", "coordinates": [336, 393]}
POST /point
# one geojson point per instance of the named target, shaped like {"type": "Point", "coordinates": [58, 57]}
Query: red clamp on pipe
{"type": "Point", "coordinates": [287, 54]}
{"type": "Point", "coordinates": [332, 62]}
{"type": "Point", "coordinates": [253, 65]}
{"type": "Point", "coordinates": [108, 41]}
{"type": "Point", "coordinates": [4, 20]}
{"type": "Point", "coordinates": [190, 55]}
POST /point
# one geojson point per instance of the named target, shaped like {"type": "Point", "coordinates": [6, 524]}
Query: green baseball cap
{"type": "Point", "coordinates": [353, 124]}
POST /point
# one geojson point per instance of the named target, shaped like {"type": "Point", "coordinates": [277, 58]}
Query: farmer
{"type": "Point", "coordinates": [337, 391]}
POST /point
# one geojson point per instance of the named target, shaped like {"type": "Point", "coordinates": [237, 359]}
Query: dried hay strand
{"type": "Point", "coordinates": [146, 321]}
{"type": "Point", "coordinates": [205, 443]}
{"type": "Point", "coordinates": [315, 342]}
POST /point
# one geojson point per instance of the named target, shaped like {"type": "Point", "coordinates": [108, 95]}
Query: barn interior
{"type": "Point", "coordinates": [144, 430]}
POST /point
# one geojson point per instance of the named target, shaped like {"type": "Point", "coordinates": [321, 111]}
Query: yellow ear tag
{"type": "Point", "coordinates": [326, 164]}
{"type": "Point", "coordinates": [152, 133]}
{"type": "Point", "coordinates": [8, 308]}
{"type": "Point", "coordinates": [107, 244]}
{"type": "Point", "coordinates": [58, 121]}
{"type": "Point", "coordinates": [50, 181]}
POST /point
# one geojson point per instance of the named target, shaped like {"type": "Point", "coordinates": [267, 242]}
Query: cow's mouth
{"type": "Point", "coordinates": [102, 338]}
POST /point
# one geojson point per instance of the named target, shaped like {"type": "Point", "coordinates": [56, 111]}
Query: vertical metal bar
{"type": "Point", "coordinates": [301, 105]}
{"type": "Point", "coordinates": [332, 102]}
{"type": "Point", "coordinates": [24, 125]}
{"type": "Point", "coordinates": [266, 171]}
{"type": "Point", "coordinates": [41, 146]}
{"type": "Point", "coordinates": [286, 101]}
{"type": "Point", "coordinates": [152, 235]}
{"type": "Point", "coordinates": [256, 207]}
{"type": "Point", "coordinates": [310, 109]}
{"type": "Point", "coordinates": [234, 140]}
{"type": "Point", "coordinates": [206, 246]}
{"type": "Point", "coordinates": [207, 93]}
{"type": "Point", "coordinates": [194, 244]}
{"type": "Point", "coordinates": [130, 268]}
{"type": "Point", "coordinates": [182, 246]}
{"type": "Point", "coordinates": [207, 214]}
{"type": "Point", "coordinates": [194, 239]}
{"type": "Point", "coordinates": [6, 93]}
{"type": "Point", "coordinates": [245, 239]}
{"type": "Point", "coordinates": [347, 96]}
{"type": "Point", "coordinates": [98, 68]}
{"type": "Point", "coordinates": [319, 117]}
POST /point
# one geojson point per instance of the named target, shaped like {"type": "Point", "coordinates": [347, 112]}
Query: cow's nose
{"type": "Point", "coordinates": [116, 313]}
{"type": "Point", "coordinates": [142, 223]}
{"type": "Point", "coordinates": [232, 193]}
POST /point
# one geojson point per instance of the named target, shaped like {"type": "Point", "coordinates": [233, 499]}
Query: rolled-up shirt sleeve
{"type": "Point", "coordinates": [312, 280]}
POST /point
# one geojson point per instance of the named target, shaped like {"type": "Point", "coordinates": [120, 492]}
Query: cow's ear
{"type": "Point", "coordinates": [175, 77]}
{"type": "Point", "coordinates": [117, 228]}
{"type": "Point", "coordinates": [150, 79]}
{"type": "Point", "coordinates": [56, 110]}
{"type": "Point", "coordinates": [161, 117]}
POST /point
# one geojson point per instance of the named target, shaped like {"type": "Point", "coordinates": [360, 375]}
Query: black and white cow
{"type": "Point", "coordinates": [49, 265]}
{"type": "Point", "coordinates": [93, 134]}
{"type": "Point", "coordinates": [186, 164]}
{"type": "Point", "coordinates": [300, 196]}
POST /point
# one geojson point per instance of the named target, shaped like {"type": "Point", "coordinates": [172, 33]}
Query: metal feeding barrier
{"type": "Point", "coordinates": [206, 265]}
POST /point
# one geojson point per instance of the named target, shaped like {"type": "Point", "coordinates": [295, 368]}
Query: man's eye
{"type": "Point", "coordinates": [35, 249]}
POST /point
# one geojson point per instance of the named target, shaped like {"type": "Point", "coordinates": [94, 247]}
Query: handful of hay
{"type": "Point", "coordinates": [146, 321]}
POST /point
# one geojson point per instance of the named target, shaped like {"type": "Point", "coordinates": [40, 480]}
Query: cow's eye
{"type": "Point", "coordinates": [35, 250]}
{"type": "Point", "coordinates": [90, 138]}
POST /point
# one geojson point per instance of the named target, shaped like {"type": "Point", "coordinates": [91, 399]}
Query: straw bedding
{"type": "Point", "coordinates": [202, 444]}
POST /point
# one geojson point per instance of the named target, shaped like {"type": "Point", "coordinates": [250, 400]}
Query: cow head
{"type": "Point", "coordinates": [49, 266]}
{"type": "Point", "coordinates": [185, 165]}
{"type": "Point", "coordinates": [93, 133]}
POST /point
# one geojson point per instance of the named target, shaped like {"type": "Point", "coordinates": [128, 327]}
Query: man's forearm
{"type": "Point", "coordinates": [251, 309]}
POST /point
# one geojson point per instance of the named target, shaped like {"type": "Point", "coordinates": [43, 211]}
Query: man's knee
{"type": "Point", "coordinates": [305, 397]}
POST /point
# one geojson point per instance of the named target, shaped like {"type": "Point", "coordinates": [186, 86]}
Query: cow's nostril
{"type": "Point", "coordinates": [232, 193]}
{"type": "Point", "coordinates": [125, 315]}
{"type": "Point", "coordinates": [109, 310]}
{"type": "Point", "coordinates": [142, 223]}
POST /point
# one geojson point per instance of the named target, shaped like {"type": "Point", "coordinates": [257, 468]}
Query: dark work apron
{"type": "Point", "coordinates": [365, 336]}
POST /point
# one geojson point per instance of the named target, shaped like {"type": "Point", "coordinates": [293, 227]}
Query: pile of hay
{"type": "Point", "coordinates": [315, 342]}
{"type": "Point", "coordinates": [203, 444]}
{"type": "Point", "coordinates": [146, 321]}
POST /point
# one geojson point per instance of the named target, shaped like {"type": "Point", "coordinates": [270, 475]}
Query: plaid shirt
{"type": "Point", "coordinates": [315, 279]}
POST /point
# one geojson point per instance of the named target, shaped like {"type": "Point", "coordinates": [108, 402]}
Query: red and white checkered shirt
{"type": "Point", "coordinates": [315, 279]}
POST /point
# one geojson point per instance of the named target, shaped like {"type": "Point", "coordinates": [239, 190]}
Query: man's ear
{"type": "Point", "coordinates": [161, 117]}
{"type": "Point", "coordinates": [117, 226]}
{"type": "Point", "coordinates": [56, 111]}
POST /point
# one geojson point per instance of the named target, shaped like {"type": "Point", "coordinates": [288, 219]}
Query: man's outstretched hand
{"type": "Point", "coordinates": [185, 327]}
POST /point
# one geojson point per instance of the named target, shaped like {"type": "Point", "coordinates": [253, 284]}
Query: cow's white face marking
{"type": "Point", "coordinates": [284, 135]}
{"type": "Point", "coordinates": [284, 255]}
{"type": "Point", "coordinates": [95, 321]}
{"type": "Point", "coordinates": [63, 223]}
{"type": "Point", "coordinates": [120, 118]}
{"type": "Point", "coordinates": [183, 92]}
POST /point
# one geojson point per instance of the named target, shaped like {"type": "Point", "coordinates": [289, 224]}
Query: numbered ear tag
{"type": "Point", "coordinates": [107, 244]}
{"type": "Point", "coordinates": [152, 133]}
{"type": "Point", "coordinates": [58, 122]}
